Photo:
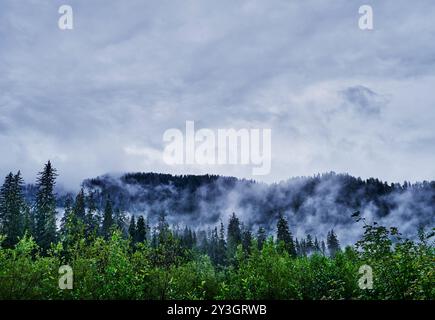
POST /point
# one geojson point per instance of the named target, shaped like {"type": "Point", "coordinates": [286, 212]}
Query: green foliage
{"type": "Point", "coordinates": [112, 269]}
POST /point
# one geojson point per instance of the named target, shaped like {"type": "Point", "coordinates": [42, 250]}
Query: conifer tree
{"type": "Point", "coordinates": [222, 246]}
{"type": "Point", "coordinates": [80, 206]}
{"type": "Point", "coordinates": [92, 218]}
{"type": "Point", "coordinates": [333, 243]}
{"type": "Point", "coordinates": [12, 206]}
{"type": "Point", "coordinates": [132, 231]}
{"type": "Point", "coordinates": [234, 235]}
{"type": "Point", "coordinates": [107, 225]}
{"type": "Point", "coordinates": [284, 236]}
{"type": "Point", "coordinates": [141, 229]}
{"type": "Point", "coordinates": [45, 207]}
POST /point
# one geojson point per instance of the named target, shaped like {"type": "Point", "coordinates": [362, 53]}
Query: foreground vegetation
{"type": "Point", "coordinates": [113, 257]}
{"type": "Point", "coordinates": [113, 269]}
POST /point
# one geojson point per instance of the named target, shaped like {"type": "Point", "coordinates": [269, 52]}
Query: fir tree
{"type": "Point", "coordinates": [80, 206]}
{"type": "Point", "coordinates": [132, 231]}
{"type": "Point", "coordinates": [45, 207]}
{"type": "Point", "coordinates": [234, 235]}
{"type": "Point", "coordinates": [107, 225]}
{"type": "Point", "coordinates": [284, 236]}
{"type": "Point", "coordinates": [141, 229]}
{"type": "Point", "coordinates": [332, 242]}
{"type": "Point", "coordinates": [12, 207]}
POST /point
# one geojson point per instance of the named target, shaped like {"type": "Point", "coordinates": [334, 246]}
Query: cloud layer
{"type": "Point", "coordinates": [98, 98]}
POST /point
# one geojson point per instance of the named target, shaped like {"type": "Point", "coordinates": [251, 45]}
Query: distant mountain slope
{"type": "Point", "coordinates": [312, 204]}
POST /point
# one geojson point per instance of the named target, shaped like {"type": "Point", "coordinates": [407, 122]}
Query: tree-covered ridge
{"type": "Point", "coordinates": [311, 204]}
{"type": "Point", "coordinates": [115, 255]}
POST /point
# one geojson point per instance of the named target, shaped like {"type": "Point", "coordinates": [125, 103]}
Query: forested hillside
{"type": "Point", "coordinates": [311, 204]}
{"type": "Point", "coordinates": [152, 236]}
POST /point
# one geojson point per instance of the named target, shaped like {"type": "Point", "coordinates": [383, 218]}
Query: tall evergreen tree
{"type": "Point", "coordinates": [333, 243]}
{"type": "Point", "coordinates": [45, 207]}
{"type": "Point", "coordinates": [80, 206]}
{"type": "Point", "coordinates": [66, 221]}
{"type": "Point", "coordinates": [92, 218]}
{"type": "Point", "coordinates": [12, 206]}
{"type": "Point", "coordinates": [234, 234]}
{"type": "Point", "coordinates": [141, 229]}
{"type": "Point", "coordinates": [222, 246]}
{"type": "Point", "coordinates": [132, 231]}
{"type": "Point", "coordinates": [284, 236]}
{"type": "Point", "coordinates": [246, 240]}
{"type": "Point", "coordinates": [106, 228]}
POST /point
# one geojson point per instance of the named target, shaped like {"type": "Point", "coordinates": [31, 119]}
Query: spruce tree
{"type": "Point", "coordinates": [45, 207]}
{"type": "Point", "coordinates": [80, 206]}
{"type": "Point", "coordinates": [234, 235]}
{"type": "Point", "coordinates": [333, 243]}
{"type": "Point", "coordinates": [92, 218]}
{"type": "Point", "coordinates": [246, 240]}
{"type": "Point", "coordinates": [132, 230]}
{"type": "Point", "coordinates": [284, 236]}
{"type": "Point", "coordinates": [222, 246]}
{"type": "Point", "coordinates": [141, 229]}
{"type": "Point", "coordinates": [12, 206]}
{"type": "Point", "coordinates": [107, 225]}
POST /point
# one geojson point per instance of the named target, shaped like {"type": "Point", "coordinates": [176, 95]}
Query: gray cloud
{"type": "Point", "coordinates": [128, 72]}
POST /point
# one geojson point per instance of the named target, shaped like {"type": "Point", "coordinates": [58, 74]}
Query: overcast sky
{"type": "Point", "coordinates": [98, 98]}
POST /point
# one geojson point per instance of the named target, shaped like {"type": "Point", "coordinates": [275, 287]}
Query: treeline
{"type": "Point", "coordinates": [82, 219]}
{"type": "Point", "coordinates": [330, 195]}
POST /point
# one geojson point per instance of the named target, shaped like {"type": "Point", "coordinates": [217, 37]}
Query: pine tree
{"type": "Point", "coordinates": [80, 206]}
{"type": "Point", "coordinates": [141, 229]}
{"type": "Point", "coordinates": [12, 206]}
{"type": "Point", "coordinates": [92, 218]}
{"type": "Point", "coordinates": [162, 228]}
{"type": "Point", "coordinates": [45, 207]}
{"type": "Point", "coordinates": [246, 240]}
{"type": "Point", "coordinates": [234, 235]}
{"type": "Point", "coordinates": [284, 236]}
{"type": "Point", "coordinates": [107, 225]}
{"type": "Point", "coordinates": [65, 222]}
{"type": "Point", "coordinates": [132, 231]}
{"type": "Point", "coordinates": [222, 246]}
{"type": "Point", "coordinates": [332, 242]}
